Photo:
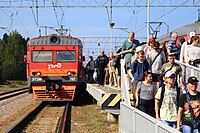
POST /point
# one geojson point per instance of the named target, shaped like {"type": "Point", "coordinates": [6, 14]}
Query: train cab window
{"type": "Point", "coordinates": [66, 56]}
{"type": "Point", "coordinates": [42, 56]}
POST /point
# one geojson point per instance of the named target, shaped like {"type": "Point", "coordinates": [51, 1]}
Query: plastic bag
{"type": "Point", "coordinates": [95, 75]}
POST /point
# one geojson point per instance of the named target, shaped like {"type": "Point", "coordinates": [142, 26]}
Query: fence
{"type": "Point", "coordinates": [188, 71]}
{"type": "Point", "coordinates": [135, 121]}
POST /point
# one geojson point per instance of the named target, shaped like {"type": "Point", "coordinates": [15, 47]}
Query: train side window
{"type": "Point", "coordinates": [42, 56]}
{"type": "Point", "coordinates": [66, 56]}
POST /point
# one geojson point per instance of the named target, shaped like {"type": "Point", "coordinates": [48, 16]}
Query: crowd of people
{"type": "Point", "coordinates": [156, 80]}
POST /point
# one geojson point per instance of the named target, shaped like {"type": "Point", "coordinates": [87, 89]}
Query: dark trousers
{"type": "Point", "coordinates": [147, 106]}
{"type": "Point", "coordinates": [90, 75]}
{"type": "Point", "coordinates": [101, 76]}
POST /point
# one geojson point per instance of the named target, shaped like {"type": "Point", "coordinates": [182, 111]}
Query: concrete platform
{"type": "Point", "coordinates": [108, 98]}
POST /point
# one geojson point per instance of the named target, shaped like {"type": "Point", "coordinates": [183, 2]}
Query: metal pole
{"type": "Point", "coordinates": [111, 41]}
{"type": "Point", "coordinates": [111, 26]}
{"type": "Point", "coordinates": [148, 18]}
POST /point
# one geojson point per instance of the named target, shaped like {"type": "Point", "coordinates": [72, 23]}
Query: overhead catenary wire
{"type": "Point", "coordinates": [62, 13]}
{"type": "Point", "coordinates": [55, 13]}
{"type": "Point", "coordinates": [135, 14]}
{"type": "Point", "coordinates": [184, 18]}
{"type": "Point", "coordinates": [34, 17]}
{"type": "Point", "coordinates": [163, 15]}
{"type": "Point", "coordinates": [22, 24]}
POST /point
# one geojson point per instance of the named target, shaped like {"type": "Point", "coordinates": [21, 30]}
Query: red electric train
{"type": "Point", "coordinates": [54, 67]}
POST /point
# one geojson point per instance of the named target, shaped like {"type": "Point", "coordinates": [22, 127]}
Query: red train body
{"type": "Point", "coordinates": [54, 65]}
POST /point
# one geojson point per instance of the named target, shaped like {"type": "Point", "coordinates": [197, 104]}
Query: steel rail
{"type": "Point", "coordinates": [13, 93]}
{"type": "Point", "coordinates": [4, 93]}
{"type": "Point", "coordinates": [22, 123]}
{"type": "Point", "coordinates": [64, 124]}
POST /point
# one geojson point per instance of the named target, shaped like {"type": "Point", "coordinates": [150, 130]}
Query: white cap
{"type": "Point", "coordinates": [169, 74]}
{"type": "Point", "coordinates": [191, 34]}
{"type": "Point", "coordinates": [138, 49]}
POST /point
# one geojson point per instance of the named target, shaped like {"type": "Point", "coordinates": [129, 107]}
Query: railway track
{"type": "Point", "coordinates": [13, 93]}
{"type": "Point", "coordinates": [45, 118]}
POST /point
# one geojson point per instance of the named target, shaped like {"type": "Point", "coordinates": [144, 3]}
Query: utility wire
{"type": "Point", "coordinates": [63, 13]}
{"type": "Point", "coordinates": [55, 13]}
{"type": "Point", "coordinates": [129, 22]}
{"type": "Point", "coordinates": [34, 16]}
{"type": "Point", "coordinates": [163, 15]}
{"type": "Point", "coordinates": [22, 24]}
{"type": "Point", "coordinates": [186, 17]}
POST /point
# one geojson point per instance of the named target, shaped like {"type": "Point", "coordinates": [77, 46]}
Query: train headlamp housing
{"type": "Point", "coordinates": [71, 73]}
{"type": "Point", "coordinates": [36, 73]}
{"type": "Point", "coordinates": [54, 39]}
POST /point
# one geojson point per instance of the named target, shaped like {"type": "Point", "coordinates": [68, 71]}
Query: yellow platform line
{"type": "Point", "coordinates": [115, 100]}
{"type": "Point", "coordinates": [104, 98]}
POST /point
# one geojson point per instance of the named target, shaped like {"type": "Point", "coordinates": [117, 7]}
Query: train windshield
{"type": "Point", "coordinates": [63, 56]}
{"type": "Point", "coordinates": [42, 56]}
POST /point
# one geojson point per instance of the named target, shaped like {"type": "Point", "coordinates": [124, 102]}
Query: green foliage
{"type": "Point", "coordinates": [12, 50]}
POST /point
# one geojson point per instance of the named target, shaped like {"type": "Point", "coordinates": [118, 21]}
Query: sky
{"type": "Point", "coordinates": [94, 22]}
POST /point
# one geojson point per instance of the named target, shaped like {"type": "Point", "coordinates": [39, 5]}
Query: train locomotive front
{"type": "Point", "coordinates": [54, 65]}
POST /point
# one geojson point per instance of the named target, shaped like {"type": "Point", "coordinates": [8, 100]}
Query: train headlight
{"type": "Point", "coordinates": [38, 74]}
{"type": "Point", "coordinates": [54, 39]}
{"type": "Point", "coordinates": [69, 73]}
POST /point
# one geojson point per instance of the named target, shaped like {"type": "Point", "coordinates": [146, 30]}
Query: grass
{"type": "Point", "coordinates": [90, 119]}
{"type": "Point", "coordinates": [12, 85]}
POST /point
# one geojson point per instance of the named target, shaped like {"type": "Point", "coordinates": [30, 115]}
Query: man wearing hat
{"type": "Point", "coordinates": [189, 108]}
{"type": "Point", "coordinates": [183, 47]}
{"type": "Point", "coordinates": [166, 98]}
{"type": "Point", "coordinates": [138, 68]}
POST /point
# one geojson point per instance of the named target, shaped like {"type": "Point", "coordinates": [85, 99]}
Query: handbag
{"type": "Point", "coordinates": [95, 75]}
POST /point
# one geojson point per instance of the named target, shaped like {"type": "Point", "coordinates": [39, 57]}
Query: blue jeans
{"type": "Point", "coordinates": [169, 123]}
{"type": "Point", "coordinates": [188, 129]}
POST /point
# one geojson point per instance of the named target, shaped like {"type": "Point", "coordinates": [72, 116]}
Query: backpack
{"type": "Point", "coordinates": [146, 64]}
{"type": "Point", "coordinates": [163, 91]}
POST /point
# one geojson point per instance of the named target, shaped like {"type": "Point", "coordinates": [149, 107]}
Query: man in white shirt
{"type": "Point", "coordinates": [183, 47]}
{"type": "Point", "coordinates": [166, 106]}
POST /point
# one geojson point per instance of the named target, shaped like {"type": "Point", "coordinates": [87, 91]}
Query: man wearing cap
{"type": "Point", "coordinates": [166, 98]}
{"type": "Point", "coordinates": [138, 68]}
{"type": "Point", "coordinates": [189, 108]}
{"type": "Point", "coordinates": [183, 47]}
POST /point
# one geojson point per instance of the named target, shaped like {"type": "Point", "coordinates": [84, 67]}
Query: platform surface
{"type": "Point", "coordinates": [108, 98]}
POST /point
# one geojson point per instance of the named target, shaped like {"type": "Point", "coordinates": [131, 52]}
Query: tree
{"type": "Point", "coordinates": [12, 50]}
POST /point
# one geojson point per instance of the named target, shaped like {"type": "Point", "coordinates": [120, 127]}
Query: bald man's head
{"type": "Point", "coordinates": [131, 36]}
{"type": "Point", "coordinates": [174, 35]}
